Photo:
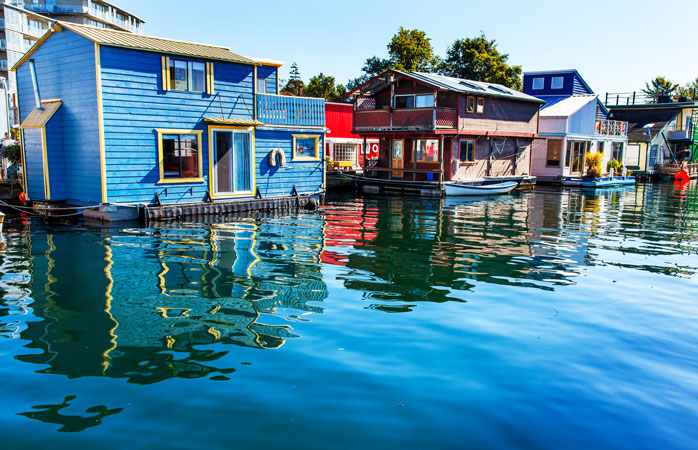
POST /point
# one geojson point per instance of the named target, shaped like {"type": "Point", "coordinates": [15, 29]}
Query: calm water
{"type": "Point", "coordinates": [558, 319]}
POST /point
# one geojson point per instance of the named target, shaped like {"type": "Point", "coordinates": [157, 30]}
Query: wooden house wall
{"type": "Point", "coordinates": [58, 160]}
{"type": "Point", "coordinates": [501, 115]}
{"type": "Point", "coordinates": [572, 84]}
{"type": "Point", "coordinates": [65, 66]}
{"type": "Point", "coordinates": [306, 176]}
{"type": "Point", "coordinates": [269, 73]}
{"type": "Point", "coordinates": [135, 105]}
{"type": "Point", "coordinates": [502, 163]}
{"type": "Point", "coordinates": [34, 163]}
{"type": "Point", "coordinates": [583, 121]}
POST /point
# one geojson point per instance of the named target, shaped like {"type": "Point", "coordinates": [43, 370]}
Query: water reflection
{"type": "Point", "coordinates": [70, 423]}
{"type": "Point", "coordinates": [147, 304]}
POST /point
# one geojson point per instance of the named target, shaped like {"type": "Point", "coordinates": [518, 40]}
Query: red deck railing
{"type": "Point", "coordinates": [400, 119]}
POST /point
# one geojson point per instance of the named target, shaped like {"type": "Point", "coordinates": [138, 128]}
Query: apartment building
{"type": "Point", "coordinates": [24, 22]}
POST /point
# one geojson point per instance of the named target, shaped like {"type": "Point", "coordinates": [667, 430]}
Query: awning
{"type": "Point", "coordinates": [38, 118]}
{"type": "Point", "coordinates": [233, 121]}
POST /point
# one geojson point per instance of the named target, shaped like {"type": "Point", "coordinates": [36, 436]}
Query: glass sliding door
{"type": "Point", "coordinates": [232, 162]}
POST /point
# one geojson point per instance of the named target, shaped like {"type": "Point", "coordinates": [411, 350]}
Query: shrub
{"type": "Point", "coordinates": [616, 165]}
{"type": "Point", "coordinates": [12, 153]}
{"type": "Point", "coordinates": [593, 163]}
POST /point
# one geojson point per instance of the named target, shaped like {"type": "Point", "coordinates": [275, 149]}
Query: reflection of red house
{"type": "Point", "coordinates": [345, 149]}
{"type": "Point", "coordinates": [353, 227]}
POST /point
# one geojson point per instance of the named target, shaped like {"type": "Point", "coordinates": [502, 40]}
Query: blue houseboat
{"type": "Point", "coordinates": [164, 127]}
{"type": "Point", "coordinates": [573, 122]}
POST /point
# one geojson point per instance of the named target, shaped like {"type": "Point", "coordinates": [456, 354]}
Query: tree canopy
{"type": "Point", "coordinates": [295, 85]}
{"type": "Point", "coordinates": [660, 87]}
{"type": "Point", "coordinates": [323, 86]}
{"type": "Point", "coordinates": [688, 89]}
{"type": "Point", "coordinates": [479, 59]}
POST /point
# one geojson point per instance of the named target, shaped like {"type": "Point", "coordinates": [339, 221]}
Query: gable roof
{"type": "Point", "coordinates": [451, 84]}
{"type": "Point", "coordinates": [638, 118]}
{"type": "Point", "coordinates": [562, 72]}
{"type": "Point", "coordinates": [567, 106]}
{"type": "Point", "coordinates": [125, 39]}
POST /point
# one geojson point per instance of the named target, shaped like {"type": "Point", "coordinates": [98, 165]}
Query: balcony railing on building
{"type": "Point", "coordinates": [642, 98]}
{"type": "Point", "coordinates": [405, 119]}
{"type": "Point", "coordinates": [611, 128]}
{"type": "Point", "coordinates": [285, 110]}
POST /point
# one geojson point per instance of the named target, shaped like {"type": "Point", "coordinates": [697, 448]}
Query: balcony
{"type": "Point", "coordinates": [405, 119]}
{"type": "Point", "coordinates": [611, 128]}
{"type": "Point", "coordinates": [296, 111]}
{"type": "Point", "coordinates": [679, 135]}
{"type": "Point", "coordinates": [55, 9]}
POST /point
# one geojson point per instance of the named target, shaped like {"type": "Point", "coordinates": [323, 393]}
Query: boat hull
{"type": "Point", "coordinates": [455, 189]}
{"type": "Point", "coordinates": [598, 182]}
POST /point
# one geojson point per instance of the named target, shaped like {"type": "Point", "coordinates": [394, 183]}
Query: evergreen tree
{"type": "Point", "coordinates": [659, 87]}
{"type": "Point", "coordinates": [295, 85]}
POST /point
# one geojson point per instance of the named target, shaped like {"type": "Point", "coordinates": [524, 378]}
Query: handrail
{"type": "Point", "coordinates": [286, 110]}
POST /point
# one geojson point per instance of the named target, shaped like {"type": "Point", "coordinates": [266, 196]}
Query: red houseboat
{"type": "Point", "coordinates": [433, 128]}
{"type": "Point", "coordinates": [346, 150]}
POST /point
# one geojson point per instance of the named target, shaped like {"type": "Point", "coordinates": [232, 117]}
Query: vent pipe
{"type": "Point", "coordinates": [35, 82]}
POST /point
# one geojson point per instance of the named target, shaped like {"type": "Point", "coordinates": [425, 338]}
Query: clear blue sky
{"type": "Point", "coordinates": [616, 45]}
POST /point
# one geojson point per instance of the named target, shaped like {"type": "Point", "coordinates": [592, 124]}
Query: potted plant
{"type": "Point", "coordinates": [616, 165]}
{"type": "Point", "coordinates": [593, 163]}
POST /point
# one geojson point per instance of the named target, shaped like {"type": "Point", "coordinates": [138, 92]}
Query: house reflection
{"type": "Point", "coordinates": [148, 304]}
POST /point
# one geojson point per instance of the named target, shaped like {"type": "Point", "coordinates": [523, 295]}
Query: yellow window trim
{"type": "Point", "coordinates": [306, 158]}
{"type": "Point", "coordinates": [211, 129]}
{"type": "Point", "coordinates": [468, 163]}
{"type": "Point", "coordinates": [167, 85]}
{"type": "Point", "coordinates": [161, 169]}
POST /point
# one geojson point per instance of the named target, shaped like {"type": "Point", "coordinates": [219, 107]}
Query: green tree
{"type": "Point", "coordinates": [295, 85]}
{"type": "Point", "coordinates": [478, 59]}
{"type": "Point", "coordinates": [408, 50]}
{"type": "Point", "coordinates": [323, 86]}
{"type": "Point", "coordinates": [659, 87]}
{"type": "Point", "coordinates": [688, 89]}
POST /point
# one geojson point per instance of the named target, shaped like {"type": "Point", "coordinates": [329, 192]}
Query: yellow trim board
{"type": "Point", "coordinates": [34, 48]}
{"type": "Point", "coordinates": [316, 137]}
{"type": "Point", "coordinates": [44, 157]}
{"type": "Point", "coordinates": [24, 164]}
{"type": "Point", "coordinates": [251, 130]}
{"type": "Point", "coordinates": [100, 121]}
{"type": "Point", "coordinates": [161, 170]}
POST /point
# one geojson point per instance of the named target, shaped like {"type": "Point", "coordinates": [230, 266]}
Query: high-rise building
{"type": "Point", "coordinates": [23, 22]}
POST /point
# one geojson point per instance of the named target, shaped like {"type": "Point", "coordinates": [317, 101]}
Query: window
{"type": "Point", "coordinates": [480, 105]}
{"type": "Point", "coordinates": [554, 149]}
{"type": "Point", "coordinates": [470, 105]}
{"type": "Point", "coordinates": [467, 151]}
{"type": "Point", "coordinates": [538, 83]}
{"type": "Point", "coordinates": [187, 75]}
{"type": "Point", "coordinates": [617, 151]}
{"type": "Point", "coordinates": [600, 147]}
{"type": "Point", "coordinates": [305, 147]}
{"type": "Point", "coordinates": [179, 155]}
{"type": "Point", "coordinates": [261, 85]}
{"type": "Point", "coordinates": [414, 101]}
{"type": "Point", "coordinates": [427, 150]}
{"type": "Point", "coordinates": [557, 82]}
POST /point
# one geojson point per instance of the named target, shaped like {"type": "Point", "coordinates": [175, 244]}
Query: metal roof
{"type": "Point", "coordinates": [568, 106]}
{"type": "Point", "coordinates": [39, 117]}
{"type": "Point", "coordinates": [232, 121]}
{"type": "Point", "coordinates": [126, 39]}
{"type": "Point", "coordinates": [469, 86]}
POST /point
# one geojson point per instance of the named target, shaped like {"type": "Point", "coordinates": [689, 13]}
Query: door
{"type": "Point", "coordinates": [576, 154]}
{"type": "Point", "coordinates": [232, 162]}
{"type": "Point", "coordinates": [397, 157]}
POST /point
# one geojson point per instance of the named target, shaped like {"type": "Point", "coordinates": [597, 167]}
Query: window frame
{"type": "Point", "coordinates": [460, 144]}
{"type": "Point", "coordinates": [469, 110]}
{"type": "Point", "coordinates": [552, 82]}
{"type": "Point", "coordinates": [477, 105]}
{"type": "Point", "coordinates": [559, 155]}
{"type": "Point", "coordinates": [542, 83]}
{"type": "Point", "coordinates": [416, 145]}
{"type": "Point", "coordinates": [262, 91]}
{"type": "Point", "coordinates": [414, 100]}
{"type": "Point", "coordinates": [168, 83]}
{"type": "Point", "coordinates": [316, 137]}
{"type": "Point", "coordinates": [161, 162]}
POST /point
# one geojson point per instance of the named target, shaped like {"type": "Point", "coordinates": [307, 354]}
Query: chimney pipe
{"type": "Point", "coordinates": [35, 82]}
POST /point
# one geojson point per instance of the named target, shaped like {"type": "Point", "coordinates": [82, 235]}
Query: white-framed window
{"type": "Point", "coordinates": [538, 83]}
{"type": "Point", "coordinates": [427, 150]}
{"type": "Point", "coordinates": [480, 105]}
{"type": "Point", "coordinates": [346, 153]}
{"type": "Point", "coordinates": [557, 82]}
{"type": "Point", "coordinates": [187, 75]}
{"type": "Point", "coordinates": [261, 85]}
{"type": "Point", "coordinates": [414, 101]}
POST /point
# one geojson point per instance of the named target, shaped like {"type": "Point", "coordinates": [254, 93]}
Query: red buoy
{"type": "Point", "coordinates": [22, 197]}
{"type": "Point", "coordinates": [682, 175]}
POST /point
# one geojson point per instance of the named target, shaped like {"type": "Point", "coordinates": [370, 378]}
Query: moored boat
{"type": "Point", "coordinates": [599, 182]}
{"type": "Point", "coordinates": [479, 188]}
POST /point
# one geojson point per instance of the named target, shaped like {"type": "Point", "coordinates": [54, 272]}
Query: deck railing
{"type": "Point", "coordinates": [411, 118]}
{"type": "Point", "coordinates": [285, 110]}
{"type": "Point", "coordinates": [611, 128]}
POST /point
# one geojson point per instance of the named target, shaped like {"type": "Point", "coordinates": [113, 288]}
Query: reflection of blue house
{"type": "Point", "coordinates": [573, 122]}
{"type": "Point", "coordinates": [110, 117]}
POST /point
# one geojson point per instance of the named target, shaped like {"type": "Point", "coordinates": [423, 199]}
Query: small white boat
{"type": "Point", "coordinates": [455, 188]}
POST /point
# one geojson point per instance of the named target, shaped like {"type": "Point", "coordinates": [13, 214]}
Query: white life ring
{"type": "Point", "coordinates": [273, 154]}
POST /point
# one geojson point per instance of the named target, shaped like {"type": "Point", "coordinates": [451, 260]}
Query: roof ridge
{"type": "Point", "coordinates": [69, 25]}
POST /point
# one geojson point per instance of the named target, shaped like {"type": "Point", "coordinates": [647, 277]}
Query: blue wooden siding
{"type": "Point", "coordinates": [269, 73]}
{"type": "Point", "coordinates": [572, 84]}
{"type": "Point", "coordinates": [65, 65]}
{"type": "Point", "coordinates": [306, 176]}
{"type": "Point", "coordinates": [58, 161]}
{"type": "Point", "coordinates": [135, 105]}
{"type": "Point", "coordinates": [34, 164]}
{"type": "Point", "coordinates": [583, 121]}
